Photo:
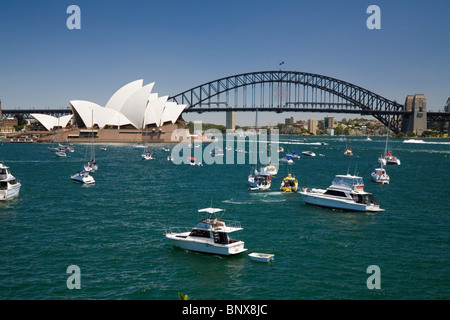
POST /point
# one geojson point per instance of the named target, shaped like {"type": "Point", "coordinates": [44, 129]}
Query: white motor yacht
{"type": "Point", "coordinates": [211, 235]}
{"type": "Point", "coordinates": [346, 193]}
{"type": "Point", "coordinates": [83, 176]}
{"type": "Point", "coordinates": [9, 186]}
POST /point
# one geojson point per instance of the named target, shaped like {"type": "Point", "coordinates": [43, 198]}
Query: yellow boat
{"type": "Point", "coordinates": [289, 184]}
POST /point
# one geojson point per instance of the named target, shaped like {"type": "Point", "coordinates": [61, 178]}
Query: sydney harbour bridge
{"type": "Point", "coordinates": [293, 91]}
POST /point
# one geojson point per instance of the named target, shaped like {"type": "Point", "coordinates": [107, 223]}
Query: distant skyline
{"type": "Point", "coordinates": [182, 44]}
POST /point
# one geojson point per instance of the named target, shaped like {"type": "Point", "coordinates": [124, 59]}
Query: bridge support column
{"type": "Point", "coordinates": [416, 121]}
{"type": "Point", "coordinates": [231, 119]}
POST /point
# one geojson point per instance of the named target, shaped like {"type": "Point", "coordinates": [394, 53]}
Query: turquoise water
{"type": "Point", "coordinates": [113, 230]}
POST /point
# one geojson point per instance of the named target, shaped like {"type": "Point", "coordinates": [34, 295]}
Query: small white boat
{"type": "Point", "coordinates": [294, 155]}
{"type": "Point", "coordinates": [287, 159]}
{"type": "Point", "coordinates": [169, 158]}
{"type": "Point", "coordinates": [91, 166]}
{"type": "Point", "coordinates": [348, 152]}
{"type": "Point", "coordinates": [164, 148]}
{"type": "Point", "coordinates": [83, 176]}
{"type": "Point", "coordinates": [380, 176]}
{"type": "Point", "coordinates": [147, 156]}
{"type": "Point", "coordinates": [9, 186]}
{"type": "Point", "coordinates": [308, 153]}
{"type": "Point", "coordinates": [389, 159]}
{"type": "Point", "coordinates": [61, 154]}
{"type": "Point", "coordinates": [211, 235]}
{"type": "Point", "coordinates": [261, 257]}
{"type": "Point", "coordinates": [346, 192]}
{"type": "Point", "coordinates": [63, 147]}
{"type": "Point", "coordinates": [259, 181]}
{"type": "Point", "coordinates": [139, 146]}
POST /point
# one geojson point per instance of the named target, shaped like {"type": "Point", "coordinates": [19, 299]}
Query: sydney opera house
{"type": "Point", "coordinates": [133, 114]}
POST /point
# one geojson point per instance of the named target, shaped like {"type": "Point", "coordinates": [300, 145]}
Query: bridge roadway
{"type": "Point", "coordinates": [431, 115]}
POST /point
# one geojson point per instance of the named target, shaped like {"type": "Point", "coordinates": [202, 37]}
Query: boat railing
{"type": "Point", "coordinates": [232, 223]}
{"type": "Point", "coordinates": [177, 229]}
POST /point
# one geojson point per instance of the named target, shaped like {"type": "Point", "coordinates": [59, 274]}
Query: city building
{"type": "Point", "coordinates": [329, 122]}
{"type": "Point", "coordinates": [312, 126]}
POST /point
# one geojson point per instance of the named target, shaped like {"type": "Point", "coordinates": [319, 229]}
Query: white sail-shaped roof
{"type": "Point", "coordinates": [134, 107]}
{"type": "Point", "coordinates": [155, 110]}
{"type": "Point", "coordinates": [133, 104]}
{"type": "Point", "coordinates": [88, 111]}
{"type": "Point", "coordinates": [91, 113]}
{"type": "Point", "coordinates": [120, 96]}
{"type": "Point", "coordinates": [49, 122]}
{"type": "Point", "coordinates": [172, 112]}
{"type": "Point", "coordinates": [64, 120]}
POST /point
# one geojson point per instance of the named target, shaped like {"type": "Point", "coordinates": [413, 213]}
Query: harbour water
{"type": "Point", "coordinates": [114, 230]}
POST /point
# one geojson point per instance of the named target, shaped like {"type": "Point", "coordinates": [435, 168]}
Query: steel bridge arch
{"type": "Point", "coordinates": [356, 98]}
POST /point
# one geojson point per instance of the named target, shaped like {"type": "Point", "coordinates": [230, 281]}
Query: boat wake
{"type": "Point", "coordinates": [425, 142]}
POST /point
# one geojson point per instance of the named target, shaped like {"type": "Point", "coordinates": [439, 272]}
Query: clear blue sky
{"type": "Point", "coordinates": [180, 44]}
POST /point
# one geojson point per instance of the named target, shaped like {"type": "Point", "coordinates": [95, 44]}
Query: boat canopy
{"type": "Point", "coordinates": [211, 210]}
{"type": "Point", "coordinates": [347, 181]}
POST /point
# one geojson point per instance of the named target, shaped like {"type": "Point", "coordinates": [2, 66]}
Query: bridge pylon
{"type": "Point", "coordinates": [416, 119]}
{"type": "Point", "coordinates": [231, 119]}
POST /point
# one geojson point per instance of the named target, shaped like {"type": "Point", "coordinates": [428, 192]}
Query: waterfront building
{"type": "Point", "coordinates": [312, 126]}
{"type": "Point", "coordinates": [133, 114]}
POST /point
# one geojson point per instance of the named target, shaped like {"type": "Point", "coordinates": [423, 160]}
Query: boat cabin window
{"type": "Point", "coordinates": [3, 185]}
{"type": "Point", "coordinates": [348, 181]}
{"type": "Point", "coordinates": [365, 199]}
{"type": "Point", "coordinates": [200, 233]}
{"type": "Point", "coordinates": [335, 193]}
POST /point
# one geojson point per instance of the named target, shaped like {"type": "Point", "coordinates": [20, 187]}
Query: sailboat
{"type": "Point", "coordinates": [388, 158]}
{"type": "Point", "coordinates": [348, 152]}
{"type": "Point", "coordinates": [92, 165]}
{"type": "Point", "coordinates": [147, 155]}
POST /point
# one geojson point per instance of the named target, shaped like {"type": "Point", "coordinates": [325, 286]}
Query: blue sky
{"type": "Point", "coordinates": [181, 44]}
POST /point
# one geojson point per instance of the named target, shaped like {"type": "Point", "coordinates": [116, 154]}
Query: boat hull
{"type": "Point", "coordinates": [261, 257]}
{"type": "Point", "coordinates": [188, 243]}
{"type": "Point", "coordinates": [85, 180]}
{"type": "Point", "coordinates": [378, 179]}
{"type": "Point", "coordinates": [316, 198]}
{"type": "Point", "coordinates": [10, 193]}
